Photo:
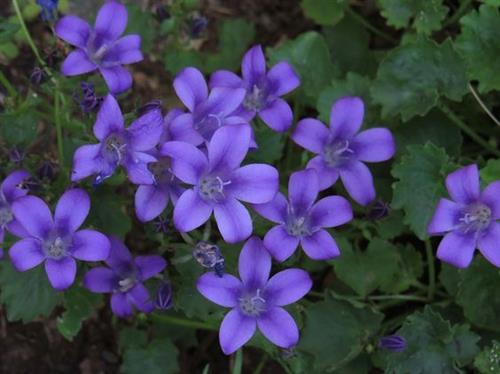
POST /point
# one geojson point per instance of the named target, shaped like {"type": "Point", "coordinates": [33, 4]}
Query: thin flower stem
{"type": "Point", "coordinates": [398, 297]}
{"type": "Point", "coordinates": [238, 362]}
{"type": "Point", "coordinates": [261, 364]}
{"type": "Point", "coordinates": [462, 9]}
{"type": "Point", "coordinates": [207, 230]}
{"type": "Point", "coordinates": [358, 18]}
{"type": "Point", "coordinates": [482, 104]}
{"type": "Point", "coordinates": [27, 34]}
{"type": "Point", "coordinates": [57, 120]}
{"type": "Point", "coordinates": [11, 91]}
{"type": "Point", "coordinates": [187, 238]}
{"type": "Point", "coordinates": [431, 269]}
{"type": "Point", "coordinates": [184, 322]}
{"type": "Point", "coordinates": [471, 133]}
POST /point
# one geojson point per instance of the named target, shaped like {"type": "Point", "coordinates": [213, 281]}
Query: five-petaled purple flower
{"type": "Point", "coordinates": [56, 241]}
{"type": "Point", "coordinates": [256, 300]}
{"type": "Point", "coordinates": [124, 279]}
{"type": "Point", "coordinates": [207, 111]}
{"type": "Point", "coordinates": [119, 146]}
{"type": "Point", "coordinates": [300, 220]}
{"type": "Point", "coordinates": [219, 183]}
{"type": "Point", "coordinates": [469, 220]}
{"type": "Point", "coordinates": [342, 151]}
{"type": "Point", "coordinates": [101, 47]}
{"type": "Point", "coordinates": [263, 89]}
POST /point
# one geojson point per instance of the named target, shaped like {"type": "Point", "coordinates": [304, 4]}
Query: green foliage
{"type": "Point", "coordinates": [325, 12]}
{"type": "Point", "coordinates": [488, 361]}
{"type": "Point", "coordinates": [491, 172]}
{"type": "Point", "coordinates": [19, 127]}
{"type": "Point", "coordinates": [157, 357]}
{"type": "Point", "coordinates": [141, 22]}
{"type": "Point", "coordinates": [270, 144]}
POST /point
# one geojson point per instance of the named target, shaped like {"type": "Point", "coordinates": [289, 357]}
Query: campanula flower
{"type": "Point", "coordinates": [208, 111]}
{"type": "Point", "coordinates": [342, 151]}
{"type": "Point", "coordinates": [101, 47]}
{"type": "Point", "coordinates": [469, 220]}
{"type": "Point", "coordinates": [119, 146]}
{"type": "Point", "coordinates": [301, 220]}
{"type": "Point", "coordinates": [263, 89]}
{"type": "Point", "coordinates": [124, 278]}
{"type": "Point", "coordinates": [56, 240]}
{"type": "Point", "coordinates": [394, 343]}
{"type": "Point", "coordinates": [219, 183]}
{"type": "Point", "coordinates": [256, 300]}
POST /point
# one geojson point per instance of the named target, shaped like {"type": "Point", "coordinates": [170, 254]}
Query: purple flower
{"type": "Point", "coordinates": [208, 111]}
{"type": "Point", "coordinates": [300, 220]}
{"type": "Point", "coordinates": [56, 240]}
{"type": "Point", "coordinates": [469, 220]}
{"type": "Point", "coordinates": [119, 146]}
{"type": "Point", "coordinates": [88, 100]}
{"type": "Point", "coordinates": [341, 150]}
{"type": "Point", "coordinates": [263, 89]}
{"type": "Point", "coordinates": [219, 183]}
{"type": "Point", "coordinates": [124, 279]}
{"type": "Point", "coordinates": [394, 343]}
{"type": "Point", "coordinates": [256, 300]}
{"type": "Point", "coordinates": [163, 295]}
{"type": "Point", "coordinates": [101, 47]}
{"type": "Point", "coordinates": [48, 9]}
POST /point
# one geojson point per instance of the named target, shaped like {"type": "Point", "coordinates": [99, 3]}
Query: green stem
{"type": "Point", "coordinates": [483, 105]}
{"type": "Point", "coordinates": [8, 86]}
{"type": "Point", "coordinates": [27, 34]}
{"type": "Point", "coordinates": [358, 18]}
{"type": "Point", "coordinates": [471, 133]}
{"type": "Point", "coordinates": [431, 269]}
{"type": "Point", "coordinates": [238, 362]}
{"type": "Point", "coordinates": [187, 238]}
{"type": "Point", "coordinates": [464, 7]}
{"type": "Point", "coordinates": [57, 119]}
{"type": "Point", "coordinates": [184, 322]}
{"type": "Point", "coordinates": [398, 297]}
{"type": "Point", "coordinates": [261, 365]}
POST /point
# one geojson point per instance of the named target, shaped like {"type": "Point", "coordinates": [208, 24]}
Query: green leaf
{"type": "Point", "coordinates": [424, 15]}
{"type": "Point", "coordinates": [433, 345]}
{"type": "Point", "coordinates": [80, 304]}
{"type": "Point", "coordinates": [7, 30]}
{"type": "Point", "coordinates": [108, 212]}
{"type": "Point", "coordinates": [158, 357]}
{"type": "Point", "coordinates": [450, 278]}
{"type": "Point", "coordinates": [488, 361]}
{"type": "Point", "coordinates": [270, 144]}
{"type": "Point", "coordinates": [420, 184]}
{"type": "Point", "coordinates": [491, 172]}
{"type": "Point", "coordinates": [142, 23]}
{"type": "Point", "coordinates": [26, 295]}
{"type": "Point", "coordinates": [310, 57]}
{"type": "Point", "coordinates": [412, 78]}
{"type": "Point", "coordinates": [19, 127]}
{"type": "Point", "coordinates": [325, 12]}
{"type": "Point", "coordinates": [478, 294]}
{"type": "Point", "coordinates": [132, 338]}
{"type": "Point", "coordinates": [478, 44]}
{"type": "Point", "coordinates": [335, 332]}
{"type": "Point", "coordinates": [492, 2]}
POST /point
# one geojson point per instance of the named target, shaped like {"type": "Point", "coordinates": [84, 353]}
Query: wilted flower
{"type": "Point", "coordinates": [152, 105]}
{"type": "Point", "coordinates": [300, 220]}
{"type": "Point", "coordinates": [197, 25]}
{"type": "Point", "coordinates": [88, 100]}
{"type": "Point", "coordinates": [56, 240]}
{"type": "Point", "coordinates": [219, 183]}
{"type": "Point", "coordinates": [119, 146]}
{"type": "Point", "coordinates": [16, 155]}
{"type": "Point", "coordinates": [49, 9]}
{"type": "Point", "coordinates": [263, 89]}
{"type": "Point", "coordinates": [341, 150]}
{"type": "Point", "coordinates": [469, 220]}
{"type": "Point", "coordinates": [37, 76]}
{"type": "Point", "coordinates": [163, 295]}
{"type": "Point", "coordinates": [124, 279]}
{"type": "Point", "coordinates": [394, 343]}
{"type": "Point", "coordinates": [209, 256]}
{"type": "Point", "coordinates": [101, 47]}
{"type": "Point", "coordinates": [256, 300]}
{"type": "Point", "coordinates": [378, 210]}
{"type": "Point", "coordinates": [161, 224]}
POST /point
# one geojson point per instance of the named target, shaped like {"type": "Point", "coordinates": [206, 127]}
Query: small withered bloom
{"type": "Point", "coordinates": [16, 155]}
{"type": "Point", "coordinates": [161, 224]}
{"type": "Point", "coordinates": [209, 256]}
{"type": "Point", "coordinates": [342, 151]}
{"type": "Point", "coordinates": [197, 26]}
{"type": "Point", "coordinates": [161, 12]}
{"type": "Point", "coordinates": [219, 183]}
{"type": "Point", "coordinates": [469, 220]}
{"type": "Point", "coordinates": [301, 220]}
{"type": "Point", "coordinates": [208, 111]}
{"type": "Point", "coordinates": [56, 240]}
{"type": "Point", "coordinates": [394, 343]}
{"type": "Point", "coordinates": [256, 300]}
{"type": "Point", "coordinates": [163, 295]}
{"type": "Point", "coordinates": [119, 146]}
{"type": "Point", "coordinates": [101, 47]}
{"type": "Point", "coordinates": [155, 104]}
{"type": "Point", "coordinates": [263, 89]}
{"type": "Point", "coordinates": [87, 99]}
{"type": "Point", "coordinates": [49, 9]}
{"type": "Point", "coordinates": [378, 210]}
{"type": "Point", "coordinates": [37, 76]}
{"type": "Point", "coordinates": [124, 278]}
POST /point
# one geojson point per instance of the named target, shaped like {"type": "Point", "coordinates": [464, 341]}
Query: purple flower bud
{"type": "Point", "coordinates": [209, 256]}
{"type": "Point", "coordinates": [394, 343]}
{"type": "Point", "coordinates": [16, 155]}
{"type": "Point", "coordinates": [46, 171]}
{"type": "Point", "coordinates": [162, 13]}
{"type": "Point", "coordinates": [163, 295]}
{"type": "Point", "coordinates": [161, 224]}
{"type": "Point", "coordinates": [49, 9]}
{"type": "Point", "coordinates": [37, 76]}
{"type": "Point", "coordinates": [89, 102]}
{"type": "Point", "coordinates": [197, 25]}
{"type": "Point", "coordinates": [155, 104]}
{"type": "Point", "coordinates": [378, 210]}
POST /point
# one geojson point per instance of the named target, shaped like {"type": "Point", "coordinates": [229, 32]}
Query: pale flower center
{"type": "Point", "coordinates": [252, 304]}
{"type": "Point", "coordinates": [254, 99]}
{"type": "Point", "coordinates": [126, 284]}
{"type": "Point", "coordinates": [56, 248]}
{"type": "Point", "coordinates": [476, 218]}
{"type": "Point", "coordinates": [212, 188]}
{"type": "Point", "coordinates": [337, 153]}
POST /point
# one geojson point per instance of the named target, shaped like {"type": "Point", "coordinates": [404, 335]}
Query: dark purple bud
{"type": "Point", "coordinates": [288, 353]}
{"type": "Point", "coordinates": [152, 105]}
{"type": "Point", "coordinates": [49, 9]}
{"type": "Point", "coordinates": [37, 76]}
{"type": "Point", "coordinates": [162, 13]}
{"type": "Point", "coordinates": [161, 224]}
{"type": "Point", "coordinates": [197, 25]}
{"type": "Point", "coordinates": [378, 210]}
{"type": "Point", "coordinates": [209, 256]}
{"type": "Point", "coordinates": [46, 171]}
{"type": "Point", "coordinates": [87, 99]}
{"type": "Point", "coordinates": [163, 295]}
{"type": "Point", "coordinates": [16, 155]}
{"type": "Point", "coordinates": [394, 343]}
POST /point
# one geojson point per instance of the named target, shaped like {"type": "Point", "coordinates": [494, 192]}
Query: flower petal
{"type": "Point", "coordinates": [254, 183]}
{"type": "Point", "coordinates": [374, 145]}
{"type": "Point", "coordinates": [73, 30]}
{"type": "Point", "coordinates": [288, 286]}
{"type": "Point", "coordinates": [34, 215]}
{"type": "Point", "coordinates": [491, 197]}
{"type": "Point", "coordinates": [71, 210]}
{"type": "Point", "coordinates": [111, 20]}
{"type": "Point", "coordinates": [320, 246]}
{"type": "Point", "coordinates": [120, 305]}
{"type": "Point", "coordinates": [283, 78]}
{"type": "Point", "coordinates": [233, 220]}
{"type": "Point", "coordinates": [331, 211]}
{"type": "Point", "coordinates": [278, 115]}
{"type": "Point", "coordinates": [358, 182]}
{"type": "Point", "coordinates": [223, 291]}
{"type": "Point", "coordinates": [346, 117]}
{"type": "Point", "coordinates": [26, 254]}
{"type": "Point", "coordinates": [117, 78]}
{"type": "Point", "coordinates": [149, 266]}
{"type": "Point", "coordinates": [10, 186]}
{"type": "Point", "coordinates": [188, 162]}
{"type": "Point", "coordinates": [137, 168]}
{"type": "Point", "coordinates": [280, 243]}
{"type": "Point", "coordinates": [489, 244]}
{"type": "Point", "coordinates": [90, 245]}
{"type": "Point", "coordinates": [61, 272]}
{"type": "Point", "coordinates": [190, 87]}
{"type": "Point", "coordinates": [126, 50]}
{"type": "Point", "coordinates": [100, 280]}
{"type": "Point", "coordinates": [150, 202]}
{"type": "Point", "coordinates": [139, 296]}
{"type": "Point", "coordinates": [86, 161]}
{"type": "Point", "coordinates": [445, 217]}
{"type": "Point", "coordinates": [222, 101]}
{"type": "Point", "coordinates": [191, 211]}
{"type": "Point", "coordinates": [303, 188]}
{"type": "Point", "coordinates": [254, 264]}
{"type": "Point", "coordinates": [275, 210]}
{"type": "Point", "coordinates": [457, 249]}
{"type": "Point", "coordinates": [77, 63]}
{"type": "Point", "coordinates": [228, 147]}
{"type": "Point", "coordinates": [328, 174]}
{"type": "Point", "coordinates": [146, 130]}
{"type": "Point", "coordinates": [311, 134]}
{"type": "Point", "coordinates": [109, 118]}
{"type": "Point", "coordinates": [182, 129]}
{"type": "Point", "coordinates": [225, 78]}
{"type": "Point", "coordinates": [235, 330]}
{"type": "Point", "coordinates": [119, 258]}
{"type": "Point", "coordinates": [463, 184]}
{"type": "Point", "coordinates": [279, 327]}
